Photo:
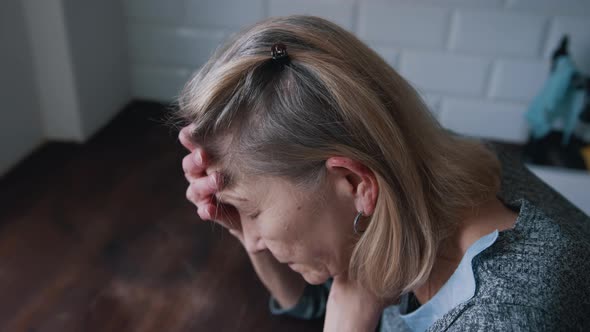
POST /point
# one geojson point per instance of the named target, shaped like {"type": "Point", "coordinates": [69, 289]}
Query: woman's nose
{"type": "Point", "coordinates": [253, 241]}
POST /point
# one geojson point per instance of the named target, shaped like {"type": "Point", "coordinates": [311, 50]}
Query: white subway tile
{"type": "Point", "coordinates": [432, 101]}
{"type": "Point", "coordinates": [155, 10]}
{"type": "Point", "coordinates": [497, 33]}
{"type": "Point", "coordinates": [445, 73]}
{"type": "Point", "coordinates": [551, 7]}
{"type": "Point", "coordinates": [340, 12]}
{"type": "Point", "coordinates": [171, 46]}
{"type": "Point", "coordinates": [578, 30]}
{"type": "Point", "coordinates": [456, 3]}
{"type": "Point", "coordinates": [494, 120]}
{"type": "Point", "coordinates": [389, 54]}
{"type": "Point", "coordinates": [518, 80]}
{"type": "Point", "coordinates": [224, 13]}
{"type": "Point", "coordinates": [158, 83]}
{"type": "Point", "coordinates": [404, 24]}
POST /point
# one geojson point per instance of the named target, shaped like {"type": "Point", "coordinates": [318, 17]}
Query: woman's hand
{"type": "Point", "coordinates": [351, 307]}
{"type": "Point", "coordinates": [202, 187]}
{"type": "Point", "coordinates": [285, 285]}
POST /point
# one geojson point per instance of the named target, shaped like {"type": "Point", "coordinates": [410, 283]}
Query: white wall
{"type": "Point", "coordinates": [477, 62]}
{"type": "Point", "coordinates": [60, 107]}
{"type": "Point", "coordinates": [97, 38]}
{"type": "Point", "coordinates": [20, 118]}
{"type": "Point", "coordinates": [82, 65]}
{"type": "Point", "coordinates": [64, 72]}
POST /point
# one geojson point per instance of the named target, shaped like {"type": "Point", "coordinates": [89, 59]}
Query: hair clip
{"type": "Point", "coordinates": [279, 52]}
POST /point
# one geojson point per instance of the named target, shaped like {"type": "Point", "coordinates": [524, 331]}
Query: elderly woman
{"type": "Point", "coordinates": [354, 203]}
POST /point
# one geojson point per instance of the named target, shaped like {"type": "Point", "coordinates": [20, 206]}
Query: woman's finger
{"type": "Point", "coordinates": [204, 206]}
{"type": "Point", "coordinates": [199, 159]}
{"type": "Point", "coordinates": [184, 137]}
{"type": "Point", "coordinates": [188, 164]}
{"type": "Point", "coordinates": [207, 209]}
{"type": "Point", "coordinates": [225, 215]}
{"type": "Point", "coordinates": [204, 187]}
{"type": "Point", "coordinates": [194, 163]}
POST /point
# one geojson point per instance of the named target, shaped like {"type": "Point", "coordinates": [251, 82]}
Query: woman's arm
{"type": "Point", "coordinates": [284, 284]}
{"type": "Point", "coordinates": [351, 308]}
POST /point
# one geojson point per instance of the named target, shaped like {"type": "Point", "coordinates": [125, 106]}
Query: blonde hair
{"type": "Point", "coordinates": [336, 96]}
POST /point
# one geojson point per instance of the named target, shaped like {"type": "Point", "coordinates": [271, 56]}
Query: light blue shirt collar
{"type": "Point", "coordinates": [459, 288]}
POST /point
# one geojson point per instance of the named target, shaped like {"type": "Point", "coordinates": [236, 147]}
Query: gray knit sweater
{"type": "Point", "coordinates": [534, 277]}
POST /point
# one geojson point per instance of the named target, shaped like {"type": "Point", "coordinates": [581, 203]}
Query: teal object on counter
{"type": "Point", "coordinates": [558, 99]}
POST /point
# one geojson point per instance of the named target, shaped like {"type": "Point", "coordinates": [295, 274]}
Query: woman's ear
{"type": "Point", "coordinates": [359, 181]}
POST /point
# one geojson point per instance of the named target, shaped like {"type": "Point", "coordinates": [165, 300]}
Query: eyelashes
{"type": "Point", "coordinates": [242, 210]}
{"type": "Point", "coordinates": [253, 215]}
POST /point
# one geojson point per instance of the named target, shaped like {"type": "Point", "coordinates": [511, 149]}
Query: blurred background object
{"type": "Point", "coordinates": [564, 100]}
{"type": "Point", "coordinates": [95, 233]}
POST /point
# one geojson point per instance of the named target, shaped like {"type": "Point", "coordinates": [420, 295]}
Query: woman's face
{"type": "Point", "coordinates": [312, 231]}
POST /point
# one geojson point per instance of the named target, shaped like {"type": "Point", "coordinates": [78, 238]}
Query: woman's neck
{"type": "Point", "coordinates": [490, 216]}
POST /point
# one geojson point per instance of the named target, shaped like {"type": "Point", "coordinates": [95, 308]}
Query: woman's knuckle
{"type": "Point", "coordinates": [204, 213]}
{"type": "Point", "coordinates": [188, 177]}
{"type": "Point", "coordinates": [197, 192]}
{"type": "Point", "coordinates": [186, 163]}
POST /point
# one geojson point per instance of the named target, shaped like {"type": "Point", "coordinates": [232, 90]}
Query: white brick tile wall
{"type": "Point", "coordinates": [433, 102]}
{"type": "Point", "coordinates": [389, 54]}
{"type": "Point", "coordinates": [338, 11]}
{"type": "Point", "coordinates": [477, 63]}
{"type": "Point", "coordinates": [518, 80]}
{"type": "Point", "coordinates": [456, 3]}
{"type": "Point", "coordinates": [497, 33]}
{"type": "Point", "coordinates": [158, 83]}
{"type": "Point", "coordinates": [495, 120]}
{"type": "Point", "coordinates": [445, 73]}
{"type": "Point", "coordinates": [404, 24]}
{"type": "Point", "coordinates": [224, 13]}
{"type": "Point", "coordinates": [155, 10]}
{"type": "Point", "coordinates": [578, 29]}
{"type": "Point", "coordinates": [160, 45]}
{"type": "Point", "coordinates": [551, 7]}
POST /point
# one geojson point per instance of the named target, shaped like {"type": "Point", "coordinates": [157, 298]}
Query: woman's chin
{"type": "Point", "coordinates": [314, 277]}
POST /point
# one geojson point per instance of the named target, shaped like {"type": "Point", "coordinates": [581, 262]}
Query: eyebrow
{"type": "Point", "coordinates": [228, 181]}
{"type": "Point", "coordinates": [236, 198]}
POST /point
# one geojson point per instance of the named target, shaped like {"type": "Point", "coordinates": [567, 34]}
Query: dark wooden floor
{"type": "Point", "coordinates": [99, 237]}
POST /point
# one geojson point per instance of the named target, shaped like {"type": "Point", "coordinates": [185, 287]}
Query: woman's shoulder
{"type": "Point", "coordinates": [506, 317]}
{"type": "Point", "coordinates": [518, 182]}
{"type": "Point", "coordinates": [539, 268]}
{"type": "Point", "coordinates": [537, 273]}
{"type": "Point", "coordinates": [533, 277]}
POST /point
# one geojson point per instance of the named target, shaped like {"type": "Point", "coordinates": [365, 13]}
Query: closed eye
{"type": "Point", "coordinates": [253, 215]}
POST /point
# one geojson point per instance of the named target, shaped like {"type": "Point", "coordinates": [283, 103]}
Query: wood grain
{"type": "Point", "coordinates": [99, 237]}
